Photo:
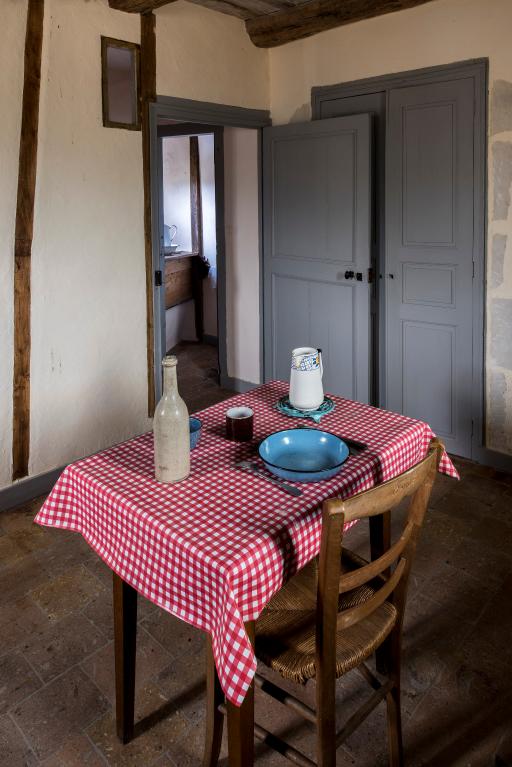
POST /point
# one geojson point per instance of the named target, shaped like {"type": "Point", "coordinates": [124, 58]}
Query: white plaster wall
{"type": "Point", "coordinates": [205, 55]}
{"type": "Point", "coordinates": [207, 170]}
{"type": "Point", "coordinates": [242, 253]}
{"type": "Point", "coordinates": [176, 188]}
{"type": "Point", "coordinates": [14, 14]}
{"type": "Point", "coordinates": [180, 324]}
{"type": "Point", "coordinates": [436, 33]}
{"type": "Point", "coordinates": [88, 361]}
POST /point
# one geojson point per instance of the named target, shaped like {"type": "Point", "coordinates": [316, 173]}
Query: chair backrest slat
{"type": "Point", "coordinates": [354, 614]}
{"type": "Point", "coordinates": [386, 496]}
{"type": "Point", "coordinates": [356, 578]}
{"type": "Point", "coordinates": [415, 483]}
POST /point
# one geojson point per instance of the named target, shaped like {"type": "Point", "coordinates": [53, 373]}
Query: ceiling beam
{"type": "Point", "coordinates": [317, 16]}
{"type": "Point", "coordinates": [137, 6]}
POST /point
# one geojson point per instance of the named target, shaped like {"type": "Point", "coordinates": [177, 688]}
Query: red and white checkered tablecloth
{"type": "Point", "coordinates": [213, 549]}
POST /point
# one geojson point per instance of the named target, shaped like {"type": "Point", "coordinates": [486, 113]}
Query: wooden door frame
{"type": "Point", "coordinates": [477, 70]}
{"type": "Point", "coordinates": [212, 115]}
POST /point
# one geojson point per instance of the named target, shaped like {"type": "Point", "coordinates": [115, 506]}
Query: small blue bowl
{"type": "Point", "coordinates": [303, 455]}
{"type": "Point", "coordinates": [195, 426]}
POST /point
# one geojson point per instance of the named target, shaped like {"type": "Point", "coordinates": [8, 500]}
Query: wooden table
{"type": "Point", "coordinates": [221, 542]}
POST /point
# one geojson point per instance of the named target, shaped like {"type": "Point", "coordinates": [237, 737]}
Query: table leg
{"type": "Point", "coordinates": [125, 641]}
{"type": "Point", "coordinates": [214, 717]}
{"type": "Point", "coordinates": [241, 724]}
{"type": "Point", "coordinates": [380, 541]}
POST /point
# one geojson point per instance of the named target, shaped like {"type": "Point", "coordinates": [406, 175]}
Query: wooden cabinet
{"type": "Point", "coordinates": [178, 279]}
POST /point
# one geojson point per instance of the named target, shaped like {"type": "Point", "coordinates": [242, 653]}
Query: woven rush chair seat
{"type": "Point", "coordinates": [285, 631]}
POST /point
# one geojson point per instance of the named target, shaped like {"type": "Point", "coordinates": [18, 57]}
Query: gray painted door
{"type": "Point", "coordinates": [429, 257]}
{"type": "Point", "coordinates": [374, 104]}
{"type": "Point", "coordinates": [317, 228]}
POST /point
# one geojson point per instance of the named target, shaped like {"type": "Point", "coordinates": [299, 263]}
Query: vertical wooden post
{"type": "Point", "coordinates": [23, 237]}
{"type": "Point", "coordinates": [196, 210]}
{"type": "Point", "coordinates": [196, 221]}
{"type": "Point", "coordinates": [148, 94]}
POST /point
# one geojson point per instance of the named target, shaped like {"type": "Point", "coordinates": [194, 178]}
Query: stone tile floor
{"type": "Point", "coordinates": [56, 643]}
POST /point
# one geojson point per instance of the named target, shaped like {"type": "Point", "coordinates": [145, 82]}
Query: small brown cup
{"type": "Point", "coordinates": [239, 424]}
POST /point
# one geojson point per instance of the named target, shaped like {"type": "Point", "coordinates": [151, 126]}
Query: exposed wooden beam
{"type": "Point", "coordinates": [317, 16]}
{"type": "Point", "coordinates": [148, 94]}
{"type": "Point", "coordinates": [245, 9]}
{"type": "Point", "coordinates": [24, 226]}
{"type": "Point", "coordinates": [138, 6]}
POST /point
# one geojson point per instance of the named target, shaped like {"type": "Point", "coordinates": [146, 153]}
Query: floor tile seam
{"type": "Point", "coordinates": [56, 678]}
{"type": "Point", "coordinates": [95, 748]}
{"type": "Point", "coordinates": [80, 663]}
{"type": "Point", "coordinates": [18, 646]}
{"type": "Point", "coordinates": [69, 668]}
{"type": "Point", "coordinates": [172, 656]}
{"type": "Point", "coordinates": [24, 737]}
{"type": "Point", "coordinates": [144, 628]}
{"type": "Point", "coordinates": [188, 718]}
{"type": "Point", "coordinates": [32, 667]}
{"type": "Point", "coordinates": [100, 628]}
{"type": "Point", "coordinates": [104, 588]}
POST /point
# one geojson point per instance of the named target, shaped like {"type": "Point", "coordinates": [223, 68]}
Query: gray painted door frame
{"type": "Point", "coordinates": [206, 113]}
{"type": "Point", "coordinates": [477, 70]}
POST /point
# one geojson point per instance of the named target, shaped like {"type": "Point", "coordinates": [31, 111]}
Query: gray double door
{"type": "Point", "coordinates": [320, 182]}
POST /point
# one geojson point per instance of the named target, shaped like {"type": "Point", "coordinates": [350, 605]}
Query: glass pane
{"type": "Point", "coordinates": [121, 85]}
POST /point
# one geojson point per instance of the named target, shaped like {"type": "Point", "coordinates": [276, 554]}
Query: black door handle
{"type": "Point", "coordinates": [349, 275]}
{"type": "Point", "coordinates": [359, 276]}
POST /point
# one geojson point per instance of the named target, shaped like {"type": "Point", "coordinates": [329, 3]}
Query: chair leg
{"type": "Point", "coordinates": [396, 756]}
{"type": "Point", "coordinates": [214, 718]}
{"type": "Point", "coordinates": [394, 713]}
{"type": "Point", "coordinates": [326, 721]}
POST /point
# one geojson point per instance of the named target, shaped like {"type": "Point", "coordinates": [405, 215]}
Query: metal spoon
{"type": "Point", "coordinates": [255, 469]}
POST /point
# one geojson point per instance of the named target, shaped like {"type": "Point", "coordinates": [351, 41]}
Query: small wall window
{"type": "Point", "coordinates": [120, 83]}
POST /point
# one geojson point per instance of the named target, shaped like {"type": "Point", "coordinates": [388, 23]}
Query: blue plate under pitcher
{"type": "Point", "coordinates": [303, 455]}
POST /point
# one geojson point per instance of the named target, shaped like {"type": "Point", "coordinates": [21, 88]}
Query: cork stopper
{"type": "Point", "coordinates": [170, 361]}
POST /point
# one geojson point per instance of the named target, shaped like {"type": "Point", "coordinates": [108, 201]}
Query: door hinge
{"type": "Point", "coordinates": [473, 269]}
{"type": "Point", "coordinates": [158, 278]}
{"type": "Point", "coordinates": [370, 275]}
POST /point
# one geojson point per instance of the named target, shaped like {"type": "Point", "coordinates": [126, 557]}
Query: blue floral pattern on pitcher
{"type": "Point", "coordinates": [306, 361]}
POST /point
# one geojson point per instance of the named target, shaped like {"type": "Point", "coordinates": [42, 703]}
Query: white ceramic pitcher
{"type": "Point", "coordinates": [306, 389]}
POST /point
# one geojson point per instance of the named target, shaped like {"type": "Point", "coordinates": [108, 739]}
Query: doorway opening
{"type": "Point", "coordinates": [189, 216]}
{"type": "Point", "coordinates": [228, 314]}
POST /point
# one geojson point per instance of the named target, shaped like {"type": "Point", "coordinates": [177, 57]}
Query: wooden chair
{"type": "Point", "coordinates": [336, 613]}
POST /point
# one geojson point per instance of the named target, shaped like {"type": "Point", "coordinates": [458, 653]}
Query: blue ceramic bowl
{"type": "Point", "coordinates": [195, 431]}
{"type": "Point", "coordinates": [303, 455]}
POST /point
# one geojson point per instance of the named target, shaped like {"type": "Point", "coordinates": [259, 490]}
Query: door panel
{"type": "Point", "coordinates": [317, 187]}
{"type": "Point", "coordinates": [429, 257]}
{"type": "Point", "coordinates": [315, 226]}
{"type": "Point", "coordinates": [375, 105]}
